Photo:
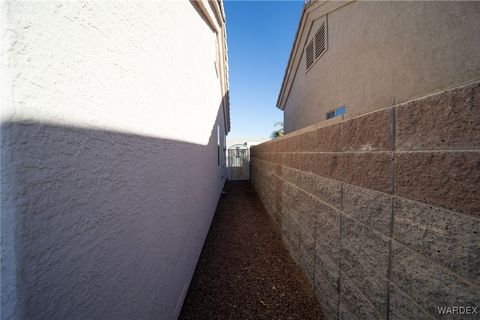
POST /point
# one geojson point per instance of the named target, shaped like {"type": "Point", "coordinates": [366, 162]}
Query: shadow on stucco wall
{"type": "Point", "coordinates": [99, 224]}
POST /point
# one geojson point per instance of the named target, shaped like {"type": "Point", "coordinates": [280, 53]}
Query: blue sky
{"type": "Point", "coordinates": [260, 35]}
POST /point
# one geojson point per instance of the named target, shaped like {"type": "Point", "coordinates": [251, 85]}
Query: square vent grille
{"type": "Point", "coordinates": [316, 46]}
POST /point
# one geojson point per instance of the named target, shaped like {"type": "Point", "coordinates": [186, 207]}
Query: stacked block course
{"type": "Point", "coordinates": [382, 211]}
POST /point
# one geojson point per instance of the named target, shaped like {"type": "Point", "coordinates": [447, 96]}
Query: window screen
{"type": "Point", "coordinates": [340, 111]}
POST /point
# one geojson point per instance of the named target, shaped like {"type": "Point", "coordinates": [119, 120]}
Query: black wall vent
{"type": "Point", "coordinates": [316, 46]}
{"type": "Point", "coordinates": [309, 54]}
{"type": "Point", "coordinates": [320, 42]}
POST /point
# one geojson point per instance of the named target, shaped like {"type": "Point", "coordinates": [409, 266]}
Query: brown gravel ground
{"type": "Point", "coordinates": [244, 271]}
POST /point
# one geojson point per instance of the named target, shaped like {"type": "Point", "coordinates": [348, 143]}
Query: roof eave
{"type": "Point", "coordinates": [289, 63]}
{"type": "Point", "coordinates": [320, 8]}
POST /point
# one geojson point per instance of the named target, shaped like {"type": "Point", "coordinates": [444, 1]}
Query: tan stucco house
{"type": "Point", "coordinates": [353, 57]}
{"type": "Point", "coordinates": [375, 188]}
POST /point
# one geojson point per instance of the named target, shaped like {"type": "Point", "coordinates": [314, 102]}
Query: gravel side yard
{"type": "Point", "coordinates": [244, 271]}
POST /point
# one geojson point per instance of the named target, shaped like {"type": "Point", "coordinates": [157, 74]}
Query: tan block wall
{"type": "Point", "coordinates": [382, 211]}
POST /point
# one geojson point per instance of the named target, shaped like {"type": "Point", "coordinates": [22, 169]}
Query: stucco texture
{"type": "Point", "coordinates": [109, 157]}
{"type": "Point", "coordinates": [380, 54]}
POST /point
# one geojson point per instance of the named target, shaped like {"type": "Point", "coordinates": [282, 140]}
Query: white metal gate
{"type": "Point", "coordinates": [238, 162]}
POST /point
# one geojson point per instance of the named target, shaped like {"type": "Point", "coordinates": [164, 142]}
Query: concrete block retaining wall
{"type": "Point", "coordinates": [382, 211]}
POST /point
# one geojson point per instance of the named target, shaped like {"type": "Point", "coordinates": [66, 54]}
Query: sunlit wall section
{"type": "Point", "coordinates": [139, 67]}
{"type": "Point", "coordinates": [114, 116]}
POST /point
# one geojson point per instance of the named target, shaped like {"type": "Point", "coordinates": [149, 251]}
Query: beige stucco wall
{"type": "Point", "coordinates": [109, 156]}
{"type": "Point", "coordinates": [382, 53]}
